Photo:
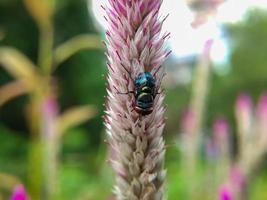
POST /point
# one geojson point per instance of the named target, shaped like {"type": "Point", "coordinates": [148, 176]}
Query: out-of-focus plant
{"type": "Point", "coordinates": [218, 155]}
{"type": "Point", "coordinates": [234, 186]}
{"type": "Point", "coordinates": [46, 124]}
{"type": "Point", "coordinates": [193, 119]}
{"type": "Point", "coordinates": [199, 94]}
{"type": "Point", "coordinates": [244, 112]}
{"type": "Point", "coordinates": [252, 143]}
{"type": "Point", "coordinates": [203, 10]}
{"type": "Point", "coordinates": [227, 175]}
{"type": "Point", "coordinates": [217, 167]}
{"type": "Point", "coordinates": [221, 141]}
{"type": "Point", "coordinates": [188, 125]}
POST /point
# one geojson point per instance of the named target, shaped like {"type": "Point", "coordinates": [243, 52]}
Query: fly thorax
{"type": "Point", "coordinates": [146, 89]}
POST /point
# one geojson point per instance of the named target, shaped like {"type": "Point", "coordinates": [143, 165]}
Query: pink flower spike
{"type": "Point", "coordinates": [221, 138]}
{"type": "Point", "coordinates": [210, 149]}
{"type": "Point", "coordinates": [243, 103]}
{"type": "Point", "coordinates": [188, 121]}
{"type": "Point", "coordinates": [207, 47]}
{"type": "Point", "coordinates": [221, 128]}
{"type": "Point", "coordinates": [261, 114]}
{"type": "Point", "coordinates": [262, 107]}
{"type": "Point", "coordinates": [244, 111]}
{"type": "Point", "coordinates": [237, 178]}
{"type": "Point", "coordinates": [203, 10]}
{"type": "Point", "coordinates": [19, 193]}
{"type": "Point", "coordinates": [134, 110]}
{"type": "Point", "coordinates": [225, 193]}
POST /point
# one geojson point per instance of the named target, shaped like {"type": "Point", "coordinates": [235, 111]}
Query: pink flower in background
{"type": "Point", "coordinates": [262, 107]}
{"type": "Point", "coordinates": [19, 193]}
{"type": "Point", "coordinates": [225, 193]}
{"type": "Point", "coordinates": [261, 114]}
{"type": "Point", "coordinates": [204, 5]}
{"type": "Point", "coordinates": [211, 149]}
{"type": "Point", "coordinates": [244, 104]}
{"type": "Point", "coordinates": [112, 198]}
{"type": "Point", "coordinates": [217, 145]}
{"type": "Point", "coordinates": [221, 131]}
{"type": "Point", "coordinates": [188, 122]}
{"type": "Point", "coordinates": [221, 128]}
{"type": "Point", "coordinates": [203, 9]}
{"type": "Point", "coordinates": [235, 185]}
{"type": "Point", "coordinates": [207, 48]}
{"type": "Point", "coordinates": [244, 112]}
{"type": "Point", "coordinates": [237, 178]}
{"type": "Point", "coordinates": [221, 137]}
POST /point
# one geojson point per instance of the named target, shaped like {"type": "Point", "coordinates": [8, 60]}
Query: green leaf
{"type": "Point", "coordinates": [72, 46]}
{"type": "Point", "coordinates": [19, 66]}
{"type": "Point", "coordinates": [74, 117]}
{"type": "Point", "coordinates": [12, 90]}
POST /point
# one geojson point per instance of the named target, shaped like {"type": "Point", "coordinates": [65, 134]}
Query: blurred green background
{"type": "Point", "coordinates": [84, 172]}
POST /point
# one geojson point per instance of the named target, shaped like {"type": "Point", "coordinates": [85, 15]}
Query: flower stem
{"type": "Point", "coordinates": [46, 48]}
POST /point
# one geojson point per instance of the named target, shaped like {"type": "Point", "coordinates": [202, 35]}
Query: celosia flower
{"type": "Point", "coordinates": [261, 120]}
{"type": "Point", "coordinates": [188, 122]}
{"type": "Point", "coordinates": [243, 111]}
{"type": "Point", "coordinates": [135, 45]}
{"type": "Point", "coordinates": [243, 104]}
{"type": "Point", "coordinates": [207, 48]}
{"type": "Point", "coordinates": [217, 145]}
{"type": "Point", "coordinates": [203, 9]}
{"type": "Point", "coordinates": [225, 193]}
{"type": "Point", "coordinates": [204, 5]}
{"type": "Point", "coordinates": [234, 186]}
{"type": "Point", "coordinates": [262, 106]}
{"type": "Point", "coordinates": [220, 127]}
{"type": "Point", "coordinates": [237, 178]}
{"type": "Point", "coordinates": [210, 149]}
{"type": "Point", "coordinates": [19, 193]}
{"type": "Point", "coordinates": [221, 136]}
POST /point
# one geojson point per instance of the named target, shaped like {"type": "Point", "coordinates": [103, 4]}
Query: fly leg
{"type": "Point", "coordinates": [129, 92]}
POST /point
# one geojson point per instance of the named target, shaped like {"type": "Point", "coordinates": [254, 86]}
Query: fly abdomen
{"type": "Point", "coordinates": [144, 101]}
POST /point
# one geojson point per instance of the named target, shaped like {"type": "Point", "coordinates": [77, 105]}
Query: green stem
{"type": "Point", "coordinates": [35, 169]}
{"type": "Point", "coordinates": [46, 49]}
{"type": "Point", "coordinates": [41, 156]}
{"type": "Point", "coordinates": [35, 149]}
